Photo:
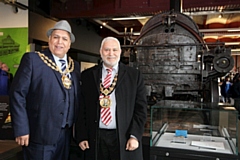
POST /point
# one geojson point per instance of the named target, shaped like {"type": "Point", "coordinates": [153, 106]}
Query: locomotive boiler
{"type": "Point", "coordinates": [177, 65]}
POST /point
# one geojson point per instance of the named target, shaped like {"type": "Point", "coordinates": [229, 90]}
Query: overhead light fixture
{"type": "Point", "coordinates": [106, 26]}
{"type": "Point", "coordinates": [220, 35]}
{"type": "Point", "coordinates": [235, 50]}
{"type": "Point", "coordinates": [208, 12]}
{"type": "Point", "coordinates": [128, 18]}
{"type": "Point", "coordinates": [136, 33]}
{"type": "Point", "coordinates": [220, 15]}
{"type": "Point", "coordinates": [114, 30]}
{"type": "Point", "coordinates": [235, 53]}
{"type": "Point", "coordinates": [234, 30]}
{"type": "Point", "coordinates": [220, 30]}
{"type": "Point", "coordinates": [232, 43]}
{"type": "Point", "coordinates": [230, 35]}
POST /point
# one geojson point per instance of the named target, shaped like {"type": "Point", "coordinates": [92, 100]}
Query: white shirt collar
{"type": "Point", "coordinates": [57, 58]}
{"type": "Point", "coordinates": [115, 68]}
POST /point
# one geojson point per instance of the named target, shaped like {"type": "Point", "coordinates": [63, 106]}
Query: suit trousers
{"type": "Point", "coordinates": [108, 145]}
{"type": "Point", "coordinates": [58, 151]}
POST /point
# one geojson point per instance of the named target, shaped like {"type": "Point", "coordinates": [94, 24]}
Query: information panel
{"type": "Point", "coordinates": [6, 131]}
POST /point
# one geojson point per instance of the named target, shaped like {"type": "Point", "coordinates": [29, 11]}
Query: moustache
{"type": "Point", "coordinates": [111, 57]}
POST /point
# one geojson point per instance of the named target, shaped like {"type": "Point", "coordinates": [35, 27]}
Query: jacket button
{"type": "Point", "coordinates": [61, 113]}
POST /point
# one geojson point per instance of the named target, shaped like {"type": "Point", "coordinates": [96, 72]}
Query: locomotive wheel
{"type": "Point", "coordinates": [223, 63]}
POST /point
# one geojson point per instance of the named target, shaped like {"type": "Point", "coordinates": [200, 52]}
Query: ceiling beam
{"type": "Point", "coordinates": [113, 8]}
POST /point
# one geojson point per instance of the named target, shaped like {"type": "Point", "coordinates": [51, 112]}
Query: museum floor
{"type": "Point", "coordinates": [9, 150]}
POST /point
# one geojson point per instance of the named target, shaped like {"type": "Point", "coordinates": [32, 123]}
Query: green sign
{"type": "Point", "coordinates": [13, 44]}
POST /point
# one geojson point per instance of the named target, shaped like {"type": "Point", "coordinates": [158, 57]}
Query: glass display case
{"type": "Point", "coordinates": [188, 130]}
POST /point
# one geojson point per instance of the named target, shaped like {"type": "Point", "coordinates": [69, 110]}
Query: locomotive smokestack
{"type": "Point", "coordinates": [176, 5]}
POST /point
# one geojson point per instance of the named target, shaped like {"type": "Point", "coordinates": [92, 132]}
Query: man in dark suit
{"type": "Point", "coordinates": [112, 117]}
{"type": "Point", "coordinates": [44, 98]}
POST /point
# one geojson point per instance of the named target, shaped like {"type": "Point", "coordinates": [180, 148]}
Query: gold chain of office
{"type": "Point", "coordinates": [109, 90]}
{"type": "Point", "coordinates": [53, 65]}
{"type": "Point", "coordinates": [105, 101]}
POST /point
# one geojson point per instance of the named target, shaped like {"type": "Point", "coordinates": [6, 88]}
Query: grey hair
{"type": "Point", "coordinates": [110, 38]}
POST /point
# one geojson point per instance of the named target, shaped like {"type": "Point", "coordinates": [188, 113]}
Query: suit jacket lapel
{"type": "Point", "coordinates": [121, 73]}
{"type": "Point", "coordinates": [56, 73]}
{"type": "Point", "coordinates": [74, 81]}
{"type": "Point", "coordinates": [97, 74]}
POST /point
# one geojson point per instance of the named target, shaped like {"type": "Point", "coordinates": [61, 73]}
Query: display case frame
{"type": "Point", "coordinates": [193, 131]}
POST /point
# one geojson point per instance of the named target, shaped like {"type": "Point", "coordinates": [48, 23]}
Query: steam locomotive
{"type": "Point", "coordinates": [177, 65]}
{"type": "Point", "coordinates": [181, 74]}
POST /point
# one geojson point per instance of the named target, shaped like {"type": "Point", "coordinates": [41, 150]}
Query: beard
{"type": "Point", "coordinates": [110, 63]}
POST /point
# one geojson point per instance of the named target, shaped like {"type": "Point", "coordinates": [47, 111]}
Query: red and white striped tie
{"type": "Point", "coordinates": [105, 112]}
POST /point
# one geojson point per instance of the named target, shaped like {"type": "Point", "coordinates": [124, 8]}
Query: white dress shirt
{"type": "Point", "coordinates": [112, 124]}
{"type": "Point", "coordinates": [59, 64]}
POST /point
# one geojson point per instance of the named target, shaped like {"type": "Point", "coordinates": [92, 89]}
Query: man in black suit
{"type": "Point", "coordinates": [117, 136]}
{"type": "Point", "coordinates": [44, 98]}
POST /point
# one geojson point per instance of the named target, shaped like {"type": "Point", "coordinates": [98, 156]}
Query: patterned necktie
{"type": "Point", "coordinates": [106, 112]}
{"type": "Point", "coordinates": [63, 67]}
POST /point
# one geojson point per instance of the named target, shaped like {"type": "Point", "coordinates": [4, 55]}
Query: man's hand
{"type": "Point", "coordinates": [132, 144]}
{"type": "Point", "coordinates": [23, 140]}
{"type": "Point", "coordinates": [84, 145]}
